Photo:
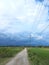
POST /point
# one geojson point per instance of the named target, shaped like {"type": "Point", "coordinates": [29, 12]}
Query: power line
{"type": "Point", "coordinates": [47, 6]}
{"type": "Point", "coordinates": [44, 29]}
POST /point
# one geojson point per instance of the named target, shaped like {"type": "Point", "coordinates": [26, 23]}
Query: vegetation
{"type": "Point", "coordinates": [38, 56]}
{"type": "Point", "coordinates": [6, 53]}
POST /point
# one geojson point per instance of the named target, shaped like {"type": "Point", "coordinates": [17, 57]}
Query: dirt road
{"type": "Point", "coordinates": [20, 59]}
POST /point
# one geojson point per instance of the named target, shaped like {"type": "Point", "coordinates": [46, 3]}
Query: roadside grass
{"type": "Point", "coordinates": [38, 56]}
{"type": "Point", "coordinates": [6, 53]}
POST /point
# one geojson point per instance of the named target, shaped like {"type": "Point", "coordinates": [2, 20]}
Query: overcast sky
{"type": "Point", "coordinates": [23, 16]}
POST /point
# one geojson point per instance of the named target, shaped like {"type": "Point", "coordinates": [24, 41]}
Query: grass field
{"type": "Point", "coordinates": [6, 53]}
{"type": "Point", "coordinates": [38, 56]}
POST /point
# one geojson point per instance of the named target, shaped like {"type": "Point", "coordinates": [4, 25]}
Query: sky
{"type": "Point", "coordinates": [24, 16]}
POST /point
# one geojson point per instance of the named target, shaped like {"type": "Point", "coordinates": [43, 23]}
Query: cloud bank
{"type": "Point", "coordinates": [23, 15]}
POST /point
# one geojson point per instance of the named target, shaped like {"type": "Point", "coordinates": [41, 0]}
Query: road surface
{"type": "Point", "coordinates": [20, 59]}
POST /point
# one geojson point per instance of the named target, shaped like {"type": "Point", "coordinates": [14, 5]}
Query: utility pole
{"type": "Point", "coordinates": [30, 41]}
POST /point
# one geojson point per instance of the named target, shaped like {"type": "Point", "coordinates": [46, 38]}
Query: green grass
{"type": "Point", "coordinates": [38, 56]}
{"type": "Point", "coordinates": [6, 53]}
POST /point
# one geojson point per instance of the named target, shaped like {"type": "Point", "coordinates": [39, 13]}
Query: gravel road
{"type": "Point", "coordinates": [20, 59]}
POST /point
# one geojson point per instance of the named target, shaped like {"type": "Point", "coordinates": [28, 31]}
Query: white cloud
{"type": "Point", "coordinates": [21, 17]}
{"type": "Point", "coordinates": [27, 11]}
{"type": "Point", "coordinates": [1, 5]}
{"type": "Point", "coordinates": [39, 37]}
{"type": "Point", "coordinates": [3, 25]}
{"type": "Point", "coordinates": [41, 26]}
